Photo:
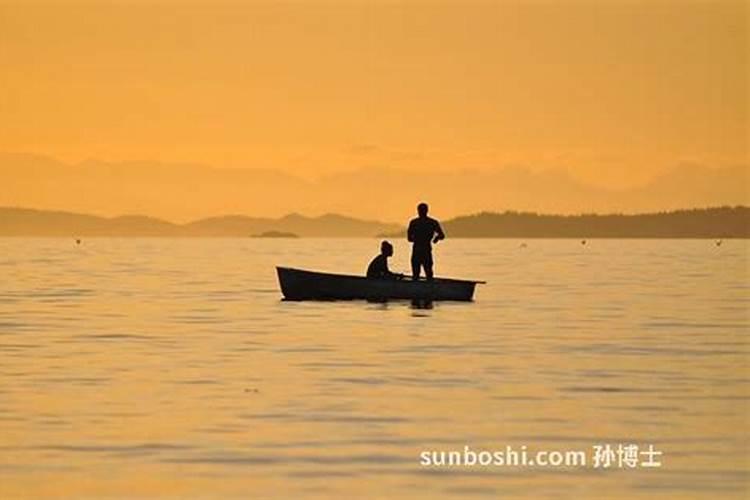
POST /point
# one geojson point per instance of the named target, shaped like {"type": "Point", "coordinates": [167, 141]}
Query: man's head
{"type": "Point", "coordinates": [422, 209]}
{"type": "Point", "coordinates": [386, 248]}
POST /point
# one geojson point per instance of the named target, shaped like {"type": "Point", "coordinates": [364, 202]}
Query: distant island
{"type": "Point", "coordinates": [718, 222]}
{"type": "Point", "coordinates": [275, 234]}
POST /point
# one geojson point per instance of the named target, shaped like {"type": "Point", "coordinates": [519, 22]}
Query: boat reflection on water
{"type": "Point", "coordinates": [413, 304]}
{"type": "Point", "coordinates": [421, 304]}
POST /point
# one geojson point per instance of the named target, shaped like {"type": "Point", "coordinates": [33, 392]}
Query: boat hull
{"type": "Point", "coordinates": [298, 284]}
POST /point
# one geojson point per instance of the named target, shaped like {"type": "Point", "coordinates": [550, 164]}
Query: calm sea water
{"type": "Point", "coordinates": [170, 367]}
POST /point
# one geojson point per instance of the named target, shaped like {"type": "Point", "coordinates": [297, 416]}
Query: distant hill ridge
{"type": "Point", "coordinates": [718, 222]}
{"type": "Point", "coordinates": [30, 222]}
{"type": "Point", "coordinates": [378, 192]}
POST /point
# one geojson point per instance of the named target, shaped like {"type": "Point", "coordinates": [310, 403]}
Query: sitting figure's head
{"type": "Point", "coordinates": [422, 209]}
{"type": "Point", "coordinates": [386, 248]}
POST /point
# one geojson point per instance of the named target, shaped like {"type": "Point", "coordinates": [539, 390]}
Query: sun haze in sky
{"type": "Point", "coordinates": [613, 92]}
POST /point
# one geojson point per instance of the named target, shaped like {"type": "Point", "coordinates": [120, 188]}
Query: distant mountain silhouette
{"type": "Point", "coordinates": [720, 222]}
{"type": "Point", "coordinates": [182, 192]}
{"type": "Point", "coordinates": [30, 222]}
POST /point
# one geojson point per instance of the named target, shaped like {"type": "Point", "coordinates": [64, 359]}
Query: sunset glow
{"type": "Point", "coordinates": [614, 93]}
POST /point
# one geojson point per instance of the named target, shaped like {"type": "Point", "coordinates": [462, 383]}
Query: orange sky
{"type": "Point", "coordinates": [615, 92]}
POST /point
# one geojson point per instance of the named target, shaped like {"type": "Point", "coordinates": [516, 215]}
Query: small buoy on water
{"type": "Point", "coordinates": [583, 242]}
{"type": "Point", "coordinates": [718, 243]}
{"type": "Point", "coordinates": [78, 241]}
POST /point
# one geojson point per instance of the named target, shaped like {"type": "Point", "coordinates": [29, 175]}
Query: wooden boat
{"type": "Point", "coordinates": [298, 284]}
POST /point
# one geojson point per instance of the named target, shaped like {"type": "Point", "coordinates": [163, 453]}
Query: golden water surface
{"type": "Point", "coordinates": [170, 367]}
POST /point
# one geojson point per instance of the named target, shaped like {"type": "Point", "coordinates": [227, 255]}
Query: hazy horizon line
{"type": "Point", "coordinates": [561, 168]}
{"type": "Point", "coordinates": [365, 219]}
{"type": "Point", "coordinates": [185, 192]}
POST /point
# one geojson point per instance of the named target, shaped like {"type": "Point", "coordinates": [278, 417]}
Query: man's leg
{"type": "Point", "coordinates": [415, 265]}
{"type": "Point", "coordinates": [427, 262]}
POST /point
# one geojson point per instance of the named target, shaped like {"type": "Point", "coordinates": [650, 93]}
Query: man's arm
{"type": "Point", "coordinates": [439, 234]}
{"type": "Point", "coordinates": [387, 273]}
{"type": "Point", "coordinates": [410, 232]}
{"type": "Point", "coordinates": [379, 268]}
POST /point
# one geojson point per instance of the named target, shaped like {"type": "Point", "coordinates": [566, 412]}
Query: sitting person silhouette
{"type": "Point", "coordinates": [378, 268]}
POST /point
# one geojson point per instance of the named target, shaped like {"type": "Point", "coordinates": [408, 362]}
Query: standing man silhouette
{"type": "Point", "coordinates": [423, 232]}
